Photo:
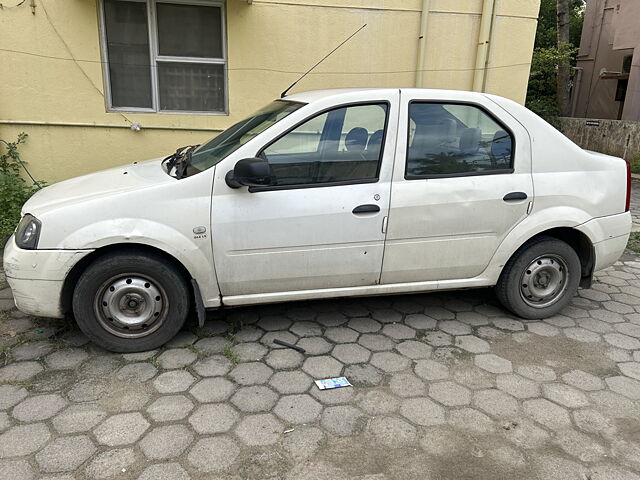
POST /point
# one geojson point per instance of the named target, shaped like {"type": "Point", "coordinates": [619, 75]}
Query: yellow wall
{"type": "Point", "coordinates": [269, 42]}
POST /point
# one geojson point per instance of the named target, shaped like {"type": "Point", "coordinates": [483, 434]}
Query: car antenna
{"type": "Point", "coordinates": [322, 60]}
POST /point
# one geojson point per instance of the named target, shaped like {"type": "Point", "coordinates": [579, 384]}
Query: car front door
{"type": "Point", "coordinates": [462, 181]}
{"type": "Point", "coordinates": [319, 226]}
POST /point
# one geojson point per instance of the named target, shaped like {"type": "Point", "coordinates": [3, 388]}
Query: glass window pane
{"type": "Point", "coordinates": [189, 30]}
{"type": "Point", "coordinates": [341, 145]}
{"type": "Point", "coordinates": [448, 139]}
{"type": "Point", "coordinates": [191, 86]}
{"type": "Point", "coordinates": [128, 52]}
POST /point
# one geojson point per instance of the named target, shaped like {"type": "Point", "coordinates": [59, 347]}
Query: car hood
{"type": "Point", "coordinates": [104, 183]}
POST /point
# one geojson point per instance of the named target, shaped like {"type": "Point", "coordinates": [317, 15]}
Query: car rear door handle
{"type": "Point", "coordinates": [513, 196]}
{"type": "Point", "coordinates": [368, 208]}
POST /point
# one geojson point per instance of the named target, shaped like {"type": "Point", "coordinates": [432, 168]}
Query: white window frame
{"type": "Point", "coordinates": [152, 27]}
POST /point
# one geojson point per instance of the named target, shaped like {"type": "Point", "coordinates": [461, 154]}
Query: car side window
{"type": "Point", "coordinates": [455, 139]}
{"type": "Point", "coordinates": [340, 145]}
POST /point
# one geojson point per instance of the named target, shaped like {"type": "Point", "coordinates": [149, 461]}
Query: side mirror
{"type": "Point", "coordinates": [250, 172]}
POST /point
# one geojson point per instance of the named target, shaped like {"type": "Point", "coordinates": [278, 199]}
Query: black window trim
{"type": "Point", "coordinates": [330, 184]}
{"type": "Point", "coordinates": [503, 171]}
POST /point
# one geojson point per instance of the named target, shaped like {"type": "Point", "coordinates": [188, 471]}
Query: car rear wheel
{"type": "Point", "coordinates": [131, 302]}
{"type": "Point", "coordinates": [540, 279]}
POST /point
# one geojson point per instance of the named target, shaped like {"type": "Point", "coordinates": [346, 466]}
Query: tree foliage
{"type": "Point", "coordinates": [548, 55]}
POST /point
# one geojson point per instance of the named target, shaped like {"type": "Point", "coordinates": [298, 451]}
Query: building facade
{"type": "Point", "coordinates": [98, 83]}
{"type": "Point", "coordinates": [607, 78]}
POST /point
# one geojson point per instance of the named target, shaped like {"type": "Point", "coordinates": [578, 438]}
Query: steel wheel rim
{"type": "Point", "coordinates": [131, 305]}
{"type": "Point", "coordinates": [544, 281]}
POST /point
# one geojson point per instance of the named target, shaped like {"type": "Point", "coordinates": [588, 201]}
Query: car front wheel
{"type": "Point", "coordinates": [540, 279]}
{"type": "Point", "coordinates": [130, 302]}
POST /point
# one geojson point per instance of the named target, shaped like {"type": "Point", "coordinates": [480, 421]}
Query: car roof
{"type": "Point", "coordinates": [314, 95]}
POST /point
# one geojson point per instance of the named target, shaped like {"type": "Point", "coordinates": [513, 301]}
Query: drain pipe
{"type": "Point", "coordinates": [424, 20]}
{"type": "Point", "coordinates": [482, 53]}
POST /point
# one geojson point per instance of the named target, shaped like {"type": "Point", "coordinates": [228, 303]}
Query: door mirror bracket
{"type": "Point", "coordinates": [249, 172]}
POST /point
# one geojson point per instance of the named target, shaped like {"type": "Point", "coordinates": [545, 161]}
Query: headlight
{"type": "Point", "coordinates": [28, 232]}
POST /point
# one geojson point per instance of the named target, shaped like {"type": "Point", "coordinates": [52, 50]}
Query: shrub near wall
{"type": "Point", "coordinates": [620, 138]}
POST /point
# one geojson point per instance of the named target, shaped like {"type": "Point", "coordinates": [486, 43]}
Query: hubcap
{"type": "Point", "coordinates": [544, 281]}
{"type": "Point", "coordinates": [130, 306]}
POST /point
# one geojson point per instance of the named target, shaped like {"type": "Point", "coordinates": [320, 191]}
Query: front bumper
{"type": "Point", "coordinates": [36, 277]}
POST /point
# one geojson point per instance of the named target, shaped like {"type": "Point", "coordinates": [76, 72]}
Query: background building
{"type": "Point", "coordinates": [97, 83]}
{"type": "Point", "coordinates": [607, 82]}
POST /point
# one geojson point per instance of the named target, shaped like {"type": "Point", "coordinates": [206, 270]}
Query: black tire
{"type": "Point", "coordinates": [520, 281]}
{"type": "Point", "coordinates": [131, 302]}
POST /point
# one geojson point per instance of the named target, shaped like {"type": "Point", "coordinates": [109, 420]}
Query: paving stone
{"type": "Point", "coordinates": [215, 389]}
{"type": "Point", "coordinates": [454, 327]}
{"type": "Point", "coordinates": [414, 349]}
{"type": "Point", "coordinates": [121, 429]}
{"type": "Point", "coordinates": [438, 339]}
{"type": "Point", "coordinates": [254, 399]}
{"type": "Point", "coordinates": [524, 433]}
{"type": "Point", "coordinates": [170, 408]}
{"type": "Point", "coordinates": [420, 322]}
{"type": "Point", "coordinates": [10, 395]}
{"type": "Point", "coordinates": [474, 378]}
{"type": "Point", "coordinates": [493, 363]}
{"type": "Point", "coordinates": [496, 403]}
{"type": "Point", "coordinates": [472, 344]}
{"type": "Point", "coordinates": [474, 319]}
{"type": "Point", "coordinates": [213, 366]}
{"type": "Point", "coordinates": [580, 446]}
{"type": "Point", "coordinates": [19, 371]}
{"type": "Point", "coordinates": [252, 373]}
{"type": "Point", "coordinates": [592, 421]}
{"type": "Point", "coordinates": [386, 315]}
{"type": "Point", "coordinates": [164, 471]}
{"type": "Point", "coordinates": [594, 325]}
{"type": "Point", "coordinates": [331, 319]}
{"type": "Point", "coordinates": [622, 341]}
{"type": "Point", "coordinates": [547, 413]}
{"type": "Point", "coordinates": [538, 373]}
{"type": "Point", "coordinates": [613, 403]}
{"type": "Point", "coordinates": [66, 358]}
{"type": "Point", "coordinates": [392, 432]}
{"type": "Point", "coordinates": [315, 345]}
{"type": "Point", "coordinates": [342, 420]}
{"type": "Point", "coordinates": [508, 324]}
{"type": "Point", "coordinates": [306, 329]}
{"type": "Point", "coordinates": [23, 440]}
{"type": "Point", "coordinates": [297, 409]}
{"type": "Point", "coordinates": [363, 375]}
{"type": "Point", "coordinates": [137, 372]}
{"type": "Point", "coordinates": [65, 454]}
{"type": "Point", "coordinates": [177, 358]}
{"type": "Point", "coordinates": [269, 337]}
{"type": "Point", "coordinates": [284, 359]}
{"type": "Point", "coordinates": [139, 356]}
{"type": "Point", "coordinates": [630, 369]}
{"type": "Point", "coordinates": [100, 366]}
{"type": "Point", "coordinates": [389, 361]}
{"type": "Point", "coordinates": [606, 316]}
{"type": "Point", "coordinates": [629, 329]}
{"type": "Point", "coordinates": [110, 463]}
{"type": "Point", "coordinates": [212, 344]}
{"type": "Point", "coordinates": [619, 355]}
{"type": "Point", "coordinates": [259, 430]}
{"type": "Point", "coordinates": [166, 442]}
{"type": "Point", "coordinates": [341, 335]}
{"type": "Point", "coordinates": [322, 367]}
{"type": "Point", "coordinates": [182, 339]}
{"type": "Point", "coordinates": [439, 313]}
{"type": "Point", "coordinates": [31, 350]}
{"type": "Point", "coordinates": [250, 351]}
{"type": "Point", "coordinates": [213, 454]}
{"type": "Point", "coordinates": [364, 325]}
{"type": "Point", "coordinates": [407, 385]}
{"type": "Point", "coordinates": [564, 395]}
{"type": "Point", "coordinates": [273, 323]}
{"type": "Point", "coordinates": [581, 335]}
{"type": "Point", "coordinates": [16, 470]}
{"type": "Point", "coordinates": [610, 472]}
{"type": "Point", "coordinates": [290, 382]}
{"type": "Point", "coordinates": [422, 411]}
{"type": "Point", "coordinates": [304, 442]}
{"type": "Point", "coordinates": [333, 396]}
{"type": "Point", "coordinates": [471, 419]}
{"type": "Point", "coordinates": [376, 342]}
{"type": "Point", "coordinates": [126, 399]}
{"type": "Point", "coordinates": [173, 381]}
{"type": "Point", "coordinates": [398, 331]}
{"type": "Point", "coordinates": [542, 329]}
{"type": "Point", "coordinates": [5, 421]}
{"type": "Point", "coordinates": [560, 321]}
{"type": "Point", "coordinates": [431, 370]}
{"type": "Point", "coordinates": [350, 353]}
{"type": "Point", "coordinates": [88, 390]}
{"type": "Point", "coordinates": [624, 386]}
{"type": "Point", "coordinates": [450, 394]}
{"type": "Point", "coordinates": [517, 386]}
{"type": "Point", "coordinates": [378, 402]}
{"type": "Point", "coordinates": [583, 380]}
{"type": "Point", "coordinates": [79, 418]}
{"type": "Point", "coordinates": [213, 418]}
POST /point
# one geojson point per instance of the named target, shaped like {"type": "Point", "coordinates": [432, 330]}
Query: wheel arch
{"type": "Point", "coordinates": [74, 274]}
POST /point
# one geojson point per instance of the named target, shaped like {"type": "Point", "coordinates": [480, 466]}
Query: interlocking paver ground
{"type": "Point", "coordinates": [439, 380]}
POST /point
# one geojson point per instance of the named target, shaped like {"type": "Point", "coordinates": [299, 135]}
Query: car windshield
{"type": "Point", "coordinates": [210, 153]}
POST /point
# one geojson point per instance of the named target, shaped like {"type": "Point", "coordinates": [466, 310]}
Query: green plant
{"type": "Point", "coordinates": [635, 163]}
{"type": "Point", "coordinates": [634, 242]}
{"type": "Point", "coordinates": [14, 190]}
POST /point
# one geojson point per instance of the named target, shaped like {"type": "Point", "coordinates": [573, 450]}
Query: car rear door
{"type": "Point", "coordinates": [320, 225]}
{"type": "Point", "coordinates": [462, 180]}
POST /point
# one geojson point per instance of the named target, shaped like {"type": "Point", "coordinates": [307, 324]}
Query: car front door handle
{"type": "Point", "coordinates": [514, 196]}
{"type": "Point", "coordinates": [368, 208]}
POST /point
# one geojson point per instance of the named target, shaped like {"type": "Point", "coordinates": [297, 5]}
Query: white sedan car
{"type": "Point", "coordinates": [322, 194]}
